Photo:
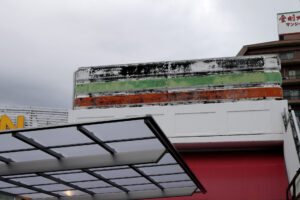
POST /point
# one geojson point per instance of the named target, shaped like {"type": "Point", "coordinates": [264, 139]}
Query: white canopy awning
{"type": "Point", "coordinates": [116, 159]}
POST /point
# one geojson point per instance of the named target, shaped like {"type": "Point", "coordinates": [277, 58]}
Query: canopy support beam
{"type": "Point", "coordinates": [81, 162]}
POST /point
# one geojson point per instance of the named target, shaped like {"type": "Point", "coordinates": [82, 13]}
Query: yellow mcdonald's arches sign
{"type": "Point", "coordinates": [6, 123]}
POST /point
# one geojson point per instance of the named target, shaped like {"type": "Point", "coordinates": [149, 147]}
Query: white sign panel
{"type": "Point", "coordinates": [288, 23]}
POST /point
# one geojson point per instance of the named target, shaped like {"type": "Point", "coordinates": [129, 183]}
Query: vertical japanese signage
{"type": "Point", "coordinates": [288, 23]}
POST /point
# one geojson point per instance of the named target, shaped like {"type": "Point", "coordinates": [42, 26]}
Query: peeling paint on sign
{"type": "Point", "coordinates": [228, 79]}
{"type": "Point", "coordinates": [178, 68]}
{"type": "Point", "coordinates": [174, 82]}
{"type": "Point", "coordinates": [191, 96]}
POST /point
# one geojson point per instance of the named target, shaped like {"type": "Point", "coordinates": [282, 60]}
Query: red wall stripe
{"type": "Point", "coordinates": [207, 95]}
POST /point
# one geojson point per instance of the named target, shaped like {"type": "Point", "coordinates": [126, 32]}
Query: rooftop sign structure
{"type": "Point", "coordinates": [178, 82]}
{"type": "Point", "coordinates": [119, 159]}
{"type": "Point", "coordinates": [288, 23]}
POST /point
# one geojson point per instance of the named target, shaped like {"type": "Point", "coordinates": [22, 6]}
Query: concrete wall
{"type": "Point", "coordinates": [233, 122]}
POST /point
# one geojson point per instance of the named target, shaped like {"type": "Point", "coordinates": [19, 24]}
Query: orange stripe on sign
{"type": "Point", "coordinates": [206, 95]}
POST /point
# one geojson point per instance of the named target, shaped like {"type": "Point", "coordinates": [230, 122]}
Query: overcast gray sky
{"type": "Point", "coordinates": [42, 42]}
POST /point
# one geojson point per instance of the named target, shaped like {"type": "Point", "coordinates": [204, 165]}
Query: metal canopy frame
{"type": "Point", "coordinates": [151, 174]}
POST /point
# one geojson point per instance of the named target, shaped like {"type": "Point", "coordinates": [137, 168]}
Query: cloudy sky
{"type": "Point", "coordinates": [42, 42]}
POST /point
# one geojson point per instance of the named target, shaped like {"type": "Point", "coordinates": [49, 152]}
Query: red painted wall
{"type": "Point", "coordinates": [239, 175]}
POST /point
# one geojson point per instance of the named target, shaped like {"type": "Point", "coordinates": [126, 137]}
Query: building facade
{"type": "Point", "coordinates": [288, 49]}
{"type": "Point", "coordinates": [224, 115]}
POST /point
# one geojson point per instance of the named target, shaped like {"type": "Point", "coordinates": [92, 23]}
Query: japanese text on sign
{"type": "Point", "coordinates": [288, 23]}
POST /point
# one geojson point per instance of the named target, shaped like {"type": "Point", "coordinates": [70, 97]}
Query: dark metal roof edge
{"type": "Point", "coordinates": [173, 151]}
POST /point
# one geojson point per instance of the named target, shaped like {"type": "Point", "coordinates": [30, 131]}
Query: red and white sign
{"type": "Point", "coordinates": [288, 23]}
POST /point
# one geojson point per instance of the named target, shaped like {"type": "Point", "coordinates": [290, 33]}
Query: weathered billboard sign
{"type": "Point", "coordinates": [288, 23]}
{"type": "Point", "coordinates": [178, 82]}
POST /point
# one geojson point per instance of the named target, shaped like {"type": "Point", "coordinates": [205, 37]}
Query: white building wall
{"type": "Point", "coordinates": [214, 125]}
{"type": "Point", "coordinates": [243, 121]}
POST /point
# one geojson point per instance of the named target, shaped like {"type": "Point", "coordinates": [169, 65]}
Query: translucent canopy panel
{"type": "Point", "coordinates": [119, 159]}
{"type": "Point", "coordinates": [111, 131]}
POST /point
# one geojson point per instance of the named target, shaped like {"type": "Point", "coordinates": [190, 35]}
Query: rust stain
{"type": "Point", "coordinates": [188, 96]}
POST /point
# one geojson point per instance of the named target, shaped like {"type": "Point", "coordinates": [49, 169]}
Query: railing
{"type": "Point", "coordinates": [293, 184]}
{"type": "Point", "coordinates": [296, 135]}
{"type": "Point", "coordinates": [295, 129]}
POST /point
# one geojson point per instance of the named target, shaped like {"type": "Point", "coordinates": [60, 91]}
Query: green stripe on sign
{"type": "Point", "coordinates": [225, 79]}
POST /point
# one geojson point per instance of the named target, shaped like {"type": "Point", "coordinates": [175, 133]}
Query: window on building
{"type": "Point", "coordinates": [294, 74]}
{"type": "Point", "coordinates": [291, 94]}
{"type": "Point", "coordinates": [281, 37]}
{"type": "Point", "coordinates": [286, 55]}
